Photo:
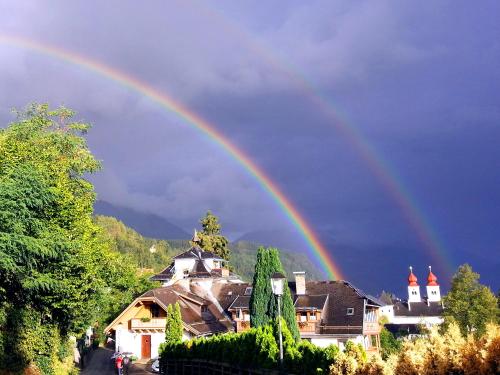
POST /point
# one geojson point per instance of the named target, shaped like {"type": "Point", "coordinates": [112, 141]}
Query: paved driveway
{"type": "Point", "coordinates": [99, 363]}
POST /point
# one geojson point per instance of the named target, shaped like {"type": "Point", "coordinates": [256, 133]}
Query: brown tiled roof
{"type": "Point", "coordinates": [241, 302]}
{"type": "Point", "coordinates": [199, 269]}
{"type": "Point", "coordinates": [212, 321]}
{"type": "Point", "coordinates": [311, 302]}
{"type": "Point", "coordinates": [226, 293]}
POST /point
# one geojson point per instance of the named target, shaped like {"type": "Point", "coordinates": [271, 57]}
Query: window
{"type": "Point", "coordinates": [350, 311]}
{"type": "Point", "coordinates": [312, 317]}
{"type": "Point", "coordinates": [248, 291]}
{"type": "Point", "coordinates": [155, 310]}
{"type": "Point", "coordinates": [204, 309]}
{"type": "Point", "coordinates": [303, 317]}
{"type": "Point", "coordinates": [186, 272]}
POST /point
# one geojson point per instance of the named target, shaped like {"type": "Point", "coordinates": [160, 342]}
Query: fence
{"type": "Point", "coordinates": [202, 367]}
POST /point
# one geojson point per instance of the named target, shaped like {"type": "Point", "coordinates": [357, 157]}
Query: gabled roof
{"type": "Point", "coordinates": [197, 252]}
{"type": "Point", "coordinates": [166, 274]}
{"type": "Point", "coordinates": [208, 322]}
{"type": "Point", "coordinates": [226, 293]}
{"type": "Point", "coordinates": [199, 269]}
{"type": "Point", "coordinates": [310, 302]}
{"type": "Point", "coordinates": [241, 302]}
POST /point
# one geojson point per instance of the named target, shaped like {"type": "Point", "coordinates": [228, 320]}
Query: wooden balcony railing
{"type": "Point", "coordinates": [307, 326]}
{"type": "Point", "coordinates": [371, 328]}
{"type": "Point", "coordinates": [154, 323]}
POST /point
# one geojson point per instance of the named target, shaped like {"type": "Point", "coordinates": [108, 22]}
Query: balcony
{"type": "Point", "coordinates": [371, 328]}
{"type": "Point", "coordinates": [152, 324]}
{"type": "Point", "coordinates": [307, 326]}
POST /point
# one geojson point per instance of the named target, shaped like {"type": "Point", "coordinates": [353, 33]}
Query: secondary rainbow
{"type": "Point", "coordinates": [380, 167]}
{"type": "Point", "coordinates": [318, 250]}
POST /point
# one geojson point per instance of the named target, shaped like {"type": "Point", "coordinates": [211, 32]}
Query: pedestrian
{"type": "Point", "coordinates": [119, 364]}
{"type": "Point", "coordinates": [126, 364]}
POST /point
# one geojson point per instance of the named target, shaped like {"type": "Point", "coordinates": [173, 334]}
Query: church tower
{"type": "Point", "coordinates": [413, 288]}
{"type": "Point", "coordinates": [433, 291]}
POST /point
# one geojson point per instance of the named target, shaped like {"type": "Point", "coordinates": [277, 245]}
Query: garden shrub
{"type": "Point", "coordinates": [257, 347]}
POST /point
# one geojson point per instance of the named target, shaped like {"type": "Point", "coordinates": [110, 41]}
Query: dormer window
{"type": "Point", "coordinates": [350, 311]}
{"type": "Point", "coordinates": [248, 291]}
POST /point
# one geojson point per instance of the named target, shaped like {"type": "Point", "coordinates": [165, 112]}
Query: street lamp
{"type": "Point", "coordinates": [277, 282]}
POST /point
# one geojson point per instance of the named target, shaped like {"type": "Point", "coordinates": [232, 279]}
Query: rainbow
{"type": "Point", "coordinates": [380, 168]}
{"type": "Point", "coordinates": [320, 253]}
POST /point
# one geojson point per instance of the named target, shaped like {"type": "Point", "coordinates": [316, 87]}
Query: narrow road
{"type": "Point", "coordinates": [99, 363]}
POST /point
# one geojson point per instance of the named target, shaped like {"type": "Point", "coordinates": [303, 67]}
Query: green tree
{"type": "Point", "coordinates": [173, 327]}
{"type": "Point", "coordinates": [263, 303]}
{"type": "Point", "coordinates": [56, 271]}
{"type": "Point", "coordinates": [469, 303]}
{"type": "Point", "coordinates": [211, 238]}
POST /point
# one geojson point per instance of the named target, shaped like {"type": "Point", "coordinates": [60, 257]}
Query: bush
{"type": "Point", "coordinates": [257, 347]}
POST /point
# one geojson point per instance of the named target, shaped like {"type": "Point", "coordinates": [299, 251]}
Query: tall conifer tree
{"type": "Point", "coordinates": [173, 326]}
{"type": "Point", "coordinates": [263, 303]}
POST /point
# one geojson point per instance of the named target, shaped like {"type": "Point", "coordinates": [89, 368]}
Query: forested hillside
{"type": "Point", "coordinates": [155, 254]}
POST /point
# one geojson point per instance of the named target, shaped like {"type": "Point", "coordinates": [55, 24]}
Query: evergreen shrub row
{"type": "Point", "coordinates": [255, 348]}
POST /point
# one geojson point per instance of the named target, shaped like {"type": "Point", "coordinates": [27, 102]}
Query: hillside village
{"type": "Point", "coordinates": [215, 300]}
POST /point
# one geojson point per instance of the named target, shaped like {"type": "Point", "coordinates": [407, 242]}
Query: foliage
{"type": "Point", "coordinates": [173, 327]}
{"type": "Point", "coordinates": [211, 238]}
{"type": "Point", "coordinates": [56, 269]}
{"type": "Point", "coordinates": [140, 251]}
{"type": "Point", "coordinates": [263, 303]}
{"type": "Point", "coordinates": [257, 347]}
{"type": "Point", "coordinates": [389, 344]}
{"type": "Point", "coordinates": [451, 353]}
{"type": "Point", "coordinates": [243, 260]}
{"type": "Point", "coordinates": [469, 303]}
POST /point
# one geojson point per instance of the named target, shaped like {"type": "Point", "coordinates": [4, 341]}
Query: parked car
{"type": "Point", "coordinates": [155, 366]}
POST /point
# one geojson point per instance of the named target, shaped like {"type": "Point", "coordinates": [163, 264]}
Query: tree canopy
{"type": "Point", "coordinates": [211, 238]}
{"type": "Point", "coordinates": [263, 303]}
{"type": "Point", "coordinates": [57, 270]}
{"type": "Point", "coordinates": [469, 303]}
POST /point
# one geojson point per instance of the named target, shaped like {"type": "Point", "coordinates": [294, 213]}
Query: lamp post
{"type": "Point", "coordinates": [277, 281]}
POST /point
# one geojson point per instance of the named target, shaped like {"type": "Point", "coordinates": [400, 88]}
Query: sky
{"type": "Point", "coordinates": [379, 121]}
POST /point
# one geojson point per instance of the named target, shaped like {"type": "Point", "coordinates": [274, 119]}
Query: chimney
{"type": "Point", "coordinates": [300, 282]}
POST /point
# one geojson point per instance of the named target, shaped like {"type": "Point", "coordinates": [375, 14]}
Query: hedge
{"type": "Point", "coordinates": [255, 348]}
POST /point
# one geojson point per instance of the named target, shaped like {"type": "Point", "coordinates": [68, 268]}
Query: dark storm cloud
{"type": "Point", "coordinates": [420, 81]}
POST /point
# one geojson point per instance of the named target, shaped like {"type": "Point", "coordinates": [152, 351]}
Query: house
{"type": "Point", "coordinates": [214, 300]}
{"type": "Point", "coordinates": [327, 312]}
{"type": "Point", "coordinates": [189, 280]}
{"type": "Point", "coordinates": [408, 315]}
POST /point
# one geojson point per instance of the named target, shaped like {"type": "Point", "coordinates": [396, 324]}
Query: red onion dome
{"type": "Point", "coordinates": [431, 279]}
{"type": "Point", "coordinates": [412, 279]}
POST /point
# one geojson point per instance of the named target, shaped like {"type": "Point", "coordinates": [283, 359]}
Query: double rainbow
{"type": "Point", "coordinates": [165, 101]}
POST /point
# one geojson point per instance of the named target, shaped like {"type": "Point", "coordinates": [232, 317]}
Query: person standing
{"type": "Point", "coordinates": [119, 364]}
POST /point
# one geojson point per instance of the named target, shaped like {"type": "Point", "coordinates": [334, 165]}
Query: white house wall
{"type": "Point", "coordinates": [428, 320]}
{"type": "Point", "coordinates": [183, 264]}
